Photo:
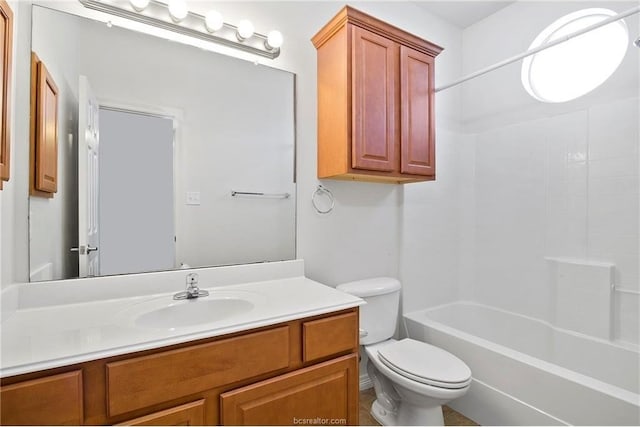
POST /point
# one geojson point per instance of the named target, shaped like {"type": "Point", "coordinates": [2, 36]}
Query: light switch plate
{"type": "Point", "coordinates": [193, 198]}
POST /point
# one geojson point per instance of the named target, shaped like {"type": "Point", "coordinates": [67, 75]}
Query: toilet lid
{"type": "Point", "coordinates": [425, 363]}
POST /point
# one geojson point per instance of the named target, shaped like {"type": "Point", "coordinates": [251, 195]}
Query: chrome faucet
{"type": "Point", "coordinates": [192, 289]}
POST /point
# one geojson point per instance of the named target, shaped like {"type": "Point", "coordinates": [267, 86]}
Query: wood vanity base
{"type": "Point", "coordinates": [298, 372]}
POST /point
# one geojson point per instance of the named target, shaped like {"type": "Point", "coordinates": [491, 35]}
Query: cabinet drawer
{"type": "Point", "coordinates": [333, 335]}
{"type": "Point", "coordinates": [323, 394]}
{"type": "Point", "coordinates": [149, 380]}
{"type": "Point", "coordinates": [53, 400]}
{"type": "Point", "coordinates": [191, 414]}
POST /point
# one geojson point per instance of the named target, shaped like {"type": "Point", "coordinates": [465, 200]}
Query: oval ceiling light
{"type": "Point", "coordinates": [213, 21]}
{"type": "Point", "coordinates": [575, 67]}
{"type": "Point", "coordinates": [139, 5]}
{"type": "Point", "coordinates": [274, 40]}
{"type": "Point", "coordinates": [245, 29]}
{"type": "Point", "coordinates": [178, 10]}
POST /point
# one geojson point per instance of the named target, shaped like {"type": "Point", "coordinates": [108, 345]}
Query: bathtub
{"type": "Point", "coordinates": [526, 372]}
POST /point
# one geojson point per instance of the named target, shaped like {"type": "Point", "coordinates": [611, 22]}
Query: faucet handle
{"type": "Point", "coordinates": [192, 280]}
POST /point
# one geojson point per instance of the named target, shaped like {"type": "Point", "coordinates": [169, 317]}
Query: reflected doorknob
{"type": "Point", "coordinates": [83, 250]}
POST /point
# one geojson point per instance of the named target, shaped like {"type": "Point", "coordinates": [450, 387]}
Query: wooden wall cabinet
{"type": "Point", "coordinates": [6, 50]}
{"type": "Point", "coordinates": [375, 101]}
{"type": "Point", "coordinates": [44, 131]}
{"type": "Point", "coordinates": [274, 375]}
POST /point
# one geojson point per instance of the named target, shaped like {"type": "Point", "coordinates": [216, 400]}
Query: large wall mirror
{"type": "Point", "coordinates": [154, 138]}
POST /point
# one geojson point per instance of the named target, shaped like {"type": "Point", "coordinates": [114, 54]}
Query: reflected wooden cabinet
{"type": "Point", "coordinates": [301, 369]}
{"type": "Point", "coordinates": [6, 50]}
{"type": "Point", "coordinates": [44, 131]}
{"type": "Point", "coordinates": [375, 101]}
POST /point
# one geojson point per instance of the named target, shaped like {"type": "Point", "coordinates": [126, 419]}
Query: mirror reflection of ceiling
{"type": "Point", "coordinates": [233, 130]}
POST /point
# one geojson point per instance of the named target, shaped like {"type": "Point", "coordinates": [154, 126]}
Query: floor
{"type": "Point", "coordinates": [451, 417]}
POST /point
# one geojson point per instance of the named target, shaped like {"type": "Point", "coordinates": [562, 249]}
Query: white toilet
{"type": "Point", "coordinates": [412, 379]}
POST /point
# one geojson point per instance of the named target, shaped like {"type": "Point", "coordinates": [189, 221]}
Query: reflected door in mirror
{"type": "Point", "coordinates": [88, 181]}
{"type": "Point", "coordinates": [136, 202]}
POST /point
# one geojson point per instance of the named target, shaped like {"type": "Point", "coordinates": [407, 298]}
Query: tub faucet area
{"type": "Point", "coordinates": [192, 291]}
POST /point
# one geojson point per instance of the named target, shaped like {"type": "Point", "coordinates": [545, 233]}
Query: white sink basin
{"type": "Point", "coordinates": [193, 312]}
{"type": "Point", "coordinates": [169, 314]}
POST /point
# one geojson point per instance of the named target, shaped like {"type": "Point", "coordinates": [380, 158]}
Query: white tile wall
{"type": "Point", "coordinates": [539, 192]}
{"type": "Point", "coordinates": [558, 180]}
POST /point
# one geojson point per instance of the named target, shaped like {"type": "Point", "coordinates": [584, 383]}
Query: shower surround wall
{"type": "Point", "coordinates": [549, 180]}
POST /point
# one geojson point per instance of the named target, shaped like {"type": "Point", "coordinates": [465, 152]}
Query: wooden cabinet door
{"type": "Point", "coordinates": [52, 400]}
{"type": "Point", "coordinates": [6, 48]}
{"type": "Point", "coordinates": [46, 132]}
{"type": "Point", "coordinates": [322, 394]}
{"type": "Point", "coordinates": [190, 414]}
{"type": "Point", "coordinates": [417, 154]}
{"type": "Point", "coordinates": [374, 101]}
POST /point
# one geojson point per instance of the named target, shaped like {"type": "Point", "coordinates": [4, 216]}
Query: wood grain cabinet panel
{"type": "Point", "coordinates": [6, 50]}
{"type": "Point", "coordinates": [323, 394]}
{"type": "Point", "coordinates": [43, 156]}
{"type": "Point", "coordinates": [375, 101]}
{"type": "Point", "coordinates": [52, 400]}
{"type": "Point", "coordinates": [374, 84]}
{"type": "Point", "coordinates": [191, 414]}
{"type": "Point", "coordinates": [330, 336]}
{"type": "Point", "coordinates": [46, 146]}
{"type": "Point", "coordinates": [417, 130]}
{"type": "Point", "coordinates": [149, 380]}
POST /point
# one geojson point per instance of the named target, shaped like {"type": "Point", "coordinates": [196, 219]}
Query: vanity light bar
{"type": "Point", "coordinates": [193, 25]}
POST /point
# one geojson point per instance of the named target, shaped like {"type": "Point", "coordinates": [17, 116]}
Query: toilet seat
{"type": "Point", "coordinates": [425, 364]}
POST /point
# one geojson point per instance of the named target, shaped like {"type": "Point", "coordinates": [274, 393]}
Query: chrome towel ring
{"type": "Point", "coordinates": [321, 190]}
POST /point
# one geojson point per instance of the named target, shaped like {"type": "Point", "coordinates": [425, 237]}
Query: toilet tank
{"type": "Point", "coordinates": [379, 316]}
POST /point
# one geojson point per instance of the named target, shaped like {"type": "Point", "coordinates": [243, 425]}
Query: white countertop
{"type": "Point", "coordinates": [44, 337]}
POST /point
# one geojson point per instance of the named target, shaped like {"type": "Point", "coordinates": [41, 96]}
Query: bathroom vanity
{"type": "Point", "coordinates": [274, 364]}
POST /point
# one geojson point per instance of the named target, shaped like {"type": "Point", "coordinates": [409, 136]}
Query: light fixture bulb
{"type": "Point", "coordinates": [139, 5]}
{"type": "Point", "coordinates": [178, 10]}
{"type": "Point", "coordinates": [245, 29]}
{"type": "Point", "coordinates": [274, 40]}
{"type": "Point", "coordinates": [213, 21]}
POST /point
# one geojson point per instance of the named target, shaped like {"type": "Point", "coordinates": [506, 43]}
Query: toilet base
{"type": "Point", "coordinates": [408, 415]}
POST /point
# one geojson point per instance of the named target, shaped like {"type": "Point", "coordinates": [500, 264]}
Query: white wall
{"type": "Point", "coordinates": [549, 180]}
{"type": "Point", "coordinates": [14, 226]}
{"type": "Point", "coordinates": [8, 186]}
{"type": "Point", "coordinates": [54, 221]}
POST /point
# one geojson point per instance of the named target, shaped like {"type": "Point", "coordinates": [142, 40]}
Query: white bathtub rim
{"type": "Point", "coordinates": [624, 345]}
{"type": "Point", "coordinates": [581, 379]}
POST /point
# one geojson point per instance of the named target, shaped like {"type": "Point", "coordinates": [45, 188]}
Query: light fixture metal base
{"type": "Point", "coordinates": [193, 25]}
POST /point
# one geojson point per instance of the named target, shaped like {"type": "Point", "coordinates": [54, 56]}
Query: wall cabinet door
{"type": "Point", "coordinates": [417, 154]}
{"type": "Point", "coordinates": [6, 48]}
{"type": "Point", "coordinates": [375, 101]}
{"type": "Point", "coordinates": [374, 86]}
{"type": "Point", "coordinates": [322, 394]}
